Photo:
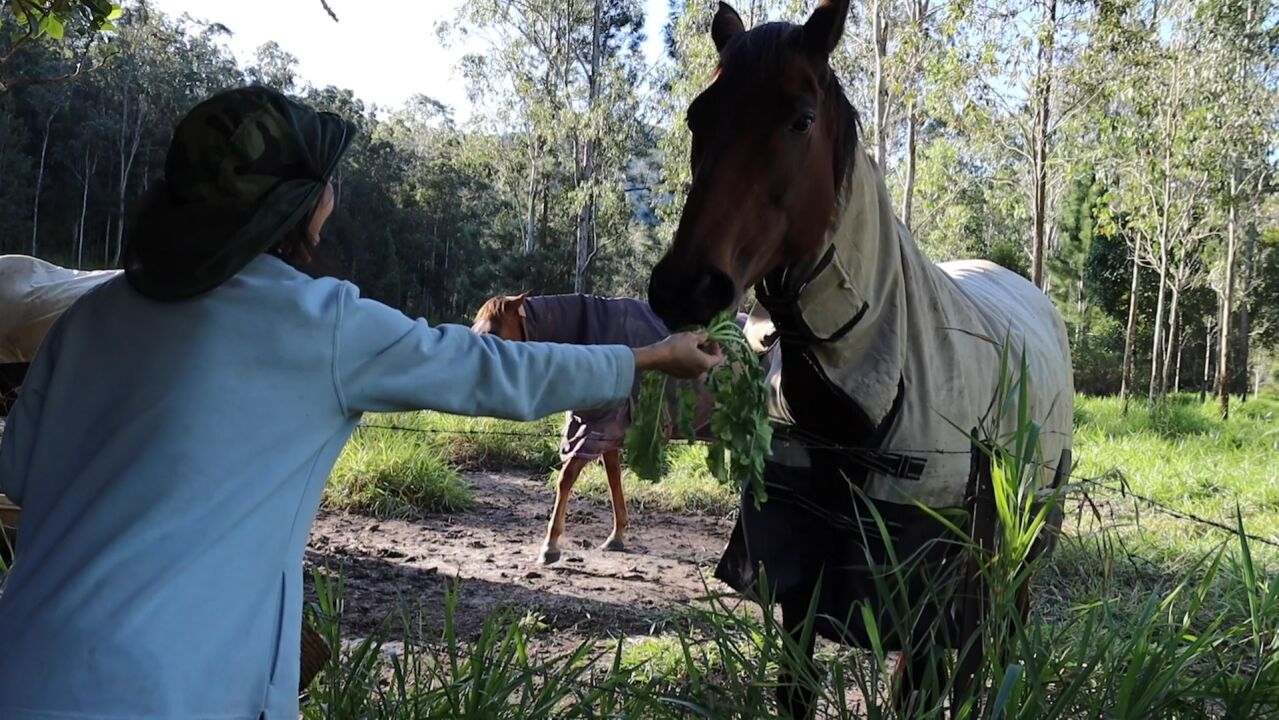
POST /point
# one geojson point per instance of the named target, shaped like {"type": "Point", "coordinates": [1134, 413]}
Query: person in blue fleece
{"type": "Point", "coordinates": [178, 424]}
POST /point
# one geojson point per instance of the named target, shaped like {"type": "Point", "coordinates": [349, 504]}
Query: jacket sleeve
{"type": "Point", "coordinates": [387, 362]}
{"type": "Point", "coordinates": [22, 425]}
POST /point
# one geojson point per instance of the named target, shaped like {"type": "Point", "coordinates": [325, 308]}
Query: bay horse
{"type": "Point", "coordinates": [588, 435]}
{"type": "Point", "coordinates": [886, 359]}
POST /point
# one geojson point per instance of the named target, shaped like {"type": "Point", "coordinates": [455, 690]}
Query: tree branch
{"type": "Point", "coordinates": [79, 71]}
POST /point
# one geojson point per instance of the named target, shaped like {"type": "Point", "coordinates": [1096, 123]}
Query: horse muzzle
{"type": "Point", "coordinates": [684, 298]}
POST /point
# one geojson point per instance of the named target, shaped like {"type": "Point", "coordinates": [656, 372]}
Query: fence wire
{"type": "Point", "coordinates": [1107, 483]}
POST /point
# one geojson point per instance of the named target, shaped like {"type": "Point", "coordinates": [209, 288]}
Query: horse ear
{"type": "Point", "coordinates": [725, 26]}
{"type": "Point", "coordinates": [825, 26]}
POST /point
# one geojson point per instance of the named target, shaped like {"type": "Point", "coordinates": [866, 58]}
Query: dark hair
{"type": "Point", "coordinates": [296, 248]}
{"type": "Point", "coordinates": [299, 249]}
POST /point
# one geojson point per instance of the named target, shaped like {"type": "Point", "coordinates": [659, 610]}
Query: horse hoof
{"type": "Point", "coordinates": [548, 556]}
{"type": "Point", "coordinates": [613, 545]}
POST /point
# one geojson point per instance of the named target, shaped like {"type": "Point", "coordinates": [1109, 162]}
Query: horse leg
{"type": "Point", "coordinates": [918, 678]}
{"type": "Point", "coordinates": [568, 477]}
{"type": "Point", "coordinates": [795, 696]}
{"type": "Point", "coordinates": [613, 468]}
{"type": "Point", "coordinates": [913, 664]}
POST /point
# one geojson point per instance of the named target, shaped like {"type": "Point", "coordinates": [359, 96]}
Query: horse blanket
{"type": "Point", "coordinates": [910, 351]}
{"type": "Point", "coordinates": [917, 345]}
{"type": "Point", "coordinates": [592, 320]}
{"type": "Point", "coordinates": [33, 294]}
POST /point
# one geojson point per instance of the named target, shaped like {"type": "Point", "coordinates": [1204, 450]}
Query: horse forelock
{"type": "Point", "coordinates": [763, 52]}
{"type": "Point", "coordinates": [490, 314]}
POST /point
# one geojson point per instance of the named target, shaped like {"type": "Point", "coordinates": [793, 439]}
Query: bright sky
{"type": "Point", "coordinates": [385, 51]}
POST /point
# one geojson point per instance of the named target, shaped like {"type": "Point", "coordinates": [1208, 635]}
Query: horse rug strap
{"type": "Point", "coordinates": [879, 462]}
{"type": "Point", "coordinates": [34, 294]}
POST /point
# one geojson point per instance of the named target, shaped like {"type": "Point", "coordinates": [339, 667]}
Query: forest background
{"type": "Point", "coordinates": [1119, 153]}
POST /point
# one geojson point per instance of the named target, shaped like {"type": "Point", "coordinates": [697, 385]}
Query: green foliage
{"type": "Point", "coordinates": [66, 28]}
{"type": "Point", "coordinates": [572, 136]}
{"type": "Point", "coordinates": [1077, 228]}
{"type": "Point", "coordinates": [644, 450]}
{"type": "Point", "coordinates": [1097, 354]}
{"type": "Point", "coordinates": [740, 429]}
{"type": "Point", "coordinates": [39, 19]}
{"type": "Point", "coordinates": [1264, 298]}
{"type": "Point", "coordinates": [739, 423]}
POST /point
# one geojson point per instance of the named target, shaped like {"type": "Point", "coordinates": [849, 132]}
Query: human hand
{"type": "Point", "coordinates": [682, 355]}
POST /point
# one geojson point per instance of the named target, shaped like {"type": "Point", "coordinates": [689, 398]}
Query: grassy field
{"type": "Point", "coordinates": [1137, 615]}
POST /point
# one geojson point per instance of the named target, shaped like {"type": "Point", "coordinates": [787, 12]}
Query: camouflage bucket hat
{"type": "Point", "coordinates": [245, 167]}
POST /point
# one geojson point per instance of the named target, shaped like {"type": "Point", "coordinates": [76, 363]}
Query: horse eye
{"type": "Point", "coordinates": [802, 123]}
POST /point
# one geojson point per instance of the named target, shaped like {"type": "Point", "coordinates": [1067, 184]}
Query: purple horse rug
{"type": "Point", "coordinates": [592, 320]}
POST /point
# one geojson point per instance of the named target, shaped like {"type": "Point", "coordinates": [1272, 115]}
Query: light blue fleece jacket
{"type": "Point", "coordinates": [169, 460]}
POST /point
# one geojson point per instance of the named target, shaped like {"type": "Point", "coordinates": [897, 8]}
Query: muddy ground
{"type": "Point", "coordinates": [492, 550]}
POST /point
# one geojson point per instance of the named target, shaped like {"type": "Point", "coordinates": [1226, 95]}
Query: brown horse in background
{"type": "Point", "coordinates": [500, 316]}
{"type": "Point", "coordinates": [880, 352]}
{"type": "Point", "coordinates": [591, 434]}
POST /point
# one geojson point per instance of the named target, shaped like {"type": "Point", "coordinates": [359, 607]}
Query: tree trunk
{"type": "Point", "coordinates": [1043, 117]}
{"type": "Point", "coordinates": [1207, 379]}
{"type": "Point", "coordinates": [35, 209]}
{"type": "Point", "coordinates": [1081, 306]}
{"type": "Point", "coordinates": [1245, 315]}
{"type": "Point", "coordinates": [879, 29]}
{"type": "Point", "coordinates": [530, 228]}
{"type": "Point", "coordinates": [1125, 389]}
{"type": "Point", "coordinates": [84, 207]}
{"type": "Point", "coordinates": [586, 216]}
{"type": "Point", "coordinates": [1176, 381]}
{"type": "Point", "coordinates": [130, 138]}
{"type": "Point", "coordinates": [1173, 346]}
{"type": "Point", "coordinates": [1156, 353]}
{"type": "Point", "coordinates": [544, 220]}
{"type": "Point", "coordinates": [1228, 295]}
{"type": "Point", "coordinates": [1165, 225]}
{"type": "Point", "coordinates": [908, 193]}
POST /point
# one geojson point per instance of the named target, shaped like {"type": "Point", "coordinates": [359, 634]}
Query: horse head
{"type": "Point", "coordinates": [772, 137]}
{"type": "Point", "coordinates": [500, 316]}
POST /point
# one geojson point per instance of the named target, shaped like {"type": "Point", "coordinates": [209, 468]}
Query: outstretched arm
{"type": "Point", "coordinates": [385, 362]}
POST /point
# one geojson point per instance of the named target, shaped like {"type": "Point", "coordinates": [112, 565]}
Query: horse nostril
{"type": "Point", "coordinates": [660, 295]}
{"type": "Point", "coordinates": [713, 292]}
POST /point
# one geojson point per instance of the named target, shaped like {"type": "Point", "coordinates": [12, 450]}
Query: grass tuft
{"type": "Point", "coordinates": [471, 444]}
{"type": "Point", "coordinates": [391, 475]}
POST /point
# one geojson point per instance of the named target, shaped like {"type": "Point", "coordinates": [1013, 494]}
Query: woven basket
{"type": "Point", "coordinates": [315, 655]}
